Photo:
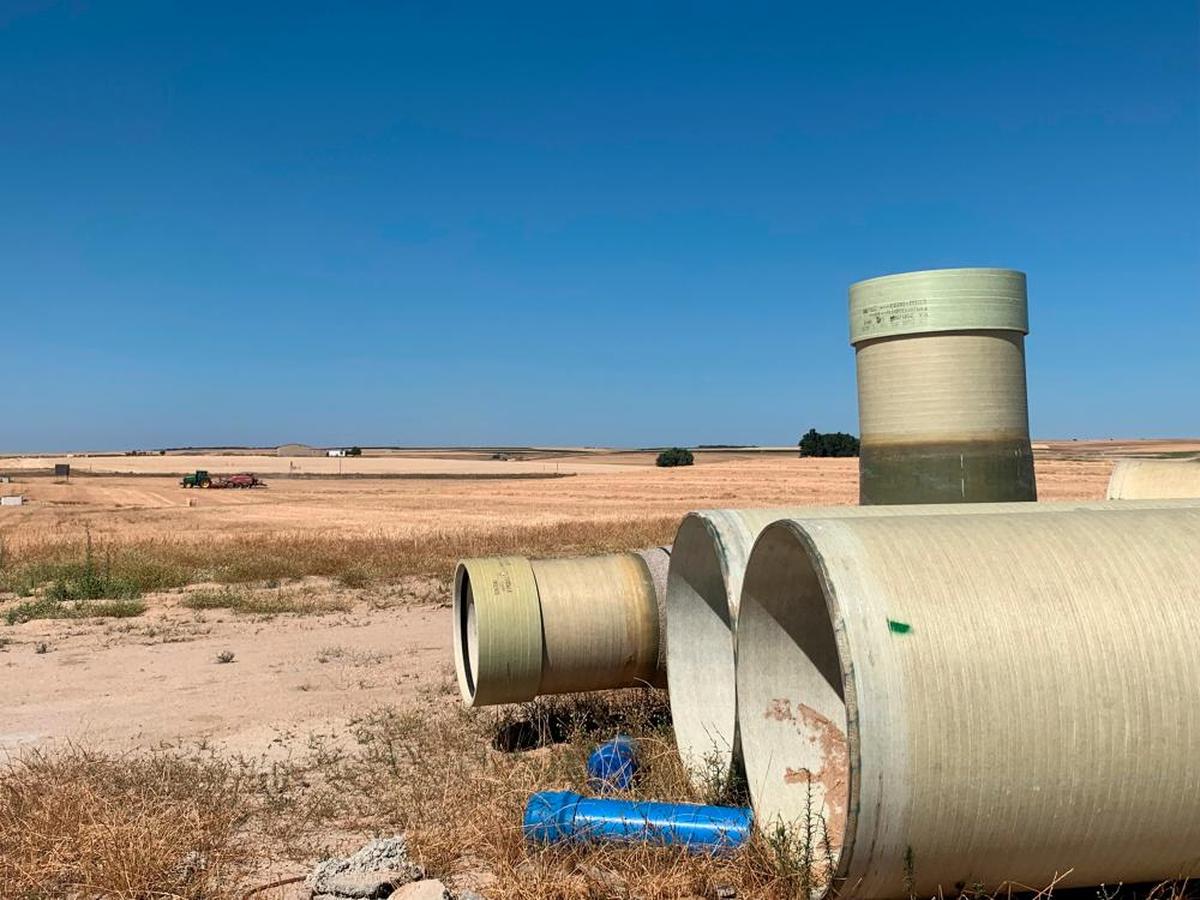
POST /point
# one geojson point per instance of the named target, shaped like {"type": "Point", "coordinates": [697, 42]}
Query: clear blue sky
{"type": "Point", "coordinates": [609, 223]}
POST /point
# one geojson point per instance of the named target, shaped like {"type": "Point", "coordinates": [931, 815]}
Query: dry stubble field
{"type": "Point", "coordinates": [134, 748]}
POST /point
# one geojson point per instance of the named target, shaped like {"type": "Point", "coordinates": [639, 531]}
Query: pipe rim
{"type": "Point", "coordinates": [952, 270]}
{"type": "Point", "coordinates": [466, 634]}
{"type": "Point", "coordinates": [701, 664]}
{"type": "Point", "coordinates": [497, 623]}
{"type": "Point", "coordinates": [938, 300]}
{"type": "Point", "coordinates": [769, 619]}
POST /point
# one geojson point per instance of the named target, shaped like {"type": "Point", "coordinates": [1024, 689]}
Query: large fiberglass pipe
{"type": "Point", "coordinates": [1144, 479]}
{"type": "Point", "coordinates": [704, 586]}
{"type": "Point", "coordinates": [977, 699]}
{"type": "Point", "coordinates": [557, 816]}
{"type": "Point", "coordinates": [942, 404]}
{"type": "Point", "coordinates": [523, 628]}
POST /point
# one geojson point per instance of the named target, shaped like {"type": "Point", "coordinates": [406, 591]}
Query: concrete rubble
{"type": "Point", "coordinates": [381, 868]}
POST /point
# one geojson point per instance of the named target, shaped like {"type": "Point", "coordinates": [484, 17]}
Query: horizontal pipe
{"type": "Point", "coordinates": [1145, 479]}
{"type": "Point", "coordinates": [524, 628]}
{"type": "Point", "coordinates": [977, 699]}
{"type": "Point", "coordinates": [703, 589]}
{"type": "Point", "coordinates": [553, 817]}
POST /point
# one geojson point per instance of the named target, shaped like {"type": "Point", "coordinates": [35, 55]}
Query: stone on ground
{"type": "Point", "coordinates": [372, 871]}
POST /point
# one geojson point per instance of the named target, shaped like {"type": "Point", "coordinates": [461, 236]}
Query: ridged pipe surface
{"type": "Point", "coordinates": [704, 585]}
{"type": "Point", "coordinates": [943, 413]}
{"type": "Point", "coordinates": [1144, 479]}
{"type": "Point", "coordinates": [978, 699]}
{"type": "Point", "coordinates": [525, 627]}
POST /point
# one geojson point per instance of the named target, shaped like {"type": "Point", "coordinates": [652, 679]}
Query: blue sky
{"type": "Point", "coordinates": [627, 224]}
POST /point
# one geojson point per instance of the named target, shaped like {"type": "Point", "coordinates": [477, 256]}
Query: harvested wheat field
{"type": "Point", "coordinates": [262, 676]}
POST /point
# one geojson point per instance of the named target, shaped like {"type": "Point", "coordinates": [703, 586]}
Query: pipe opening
{"type": "Point", "coordinates": [700, 670]}
{"type": "Point", "coordinates": [798, 742]}
{"type": "Point", "coordinates": [466, 633]}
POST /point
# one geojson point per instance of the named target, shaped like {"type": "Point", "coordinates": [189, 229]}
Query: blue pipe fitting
{"type": "Point", "coordinates": [613, 765]}
{"type": "Point", "coordinates": [553, 817]}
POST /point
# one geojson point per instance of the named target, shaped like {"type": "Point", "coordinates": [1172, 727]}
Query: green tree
{"type": "Point", "coordinates": [836, 443]}
{"type": "Point", "coordinates": [674, 456]}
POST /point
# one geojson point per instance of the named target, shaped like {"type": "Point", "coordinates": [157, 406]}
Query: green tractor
{"type": "Point", "coordinates": [198, 479]}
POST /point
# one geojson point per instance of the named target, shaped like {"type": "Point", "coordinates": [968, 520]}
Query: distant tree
{"type": "Point", "coordinates": [836, 443]}
{"type": "Point", "coordinates": [354, 451]}
{"type": "Point", "coordinates": [674, 456]}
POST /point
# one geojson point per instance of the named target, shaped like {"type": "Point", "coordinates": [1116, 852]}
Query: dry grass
{"type": "Point", "coordinates": [495, 793]}
{"type": "Point", "coordinates": [157, 564]}
{"type": "Point", "coordinates": [439, 778]}
{"type": "Point", "coordinates": [83, 824]}
{"type": "Point", "coordinates": [74, 822]}
{"type": "Point", "coordinates": [79, 823]}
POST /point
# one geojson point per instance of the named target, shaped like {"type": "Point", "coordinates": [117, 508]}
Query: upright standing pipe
{"type": "Point", "coordinates": [1143, 479]}
{"type": "Point", "coordinates": [941, 387]}
{"type": "Point", "coordinates": [524, 627]}
{"type": "Point", "coordinates": [948, 700]}
{"type": "Point", "coordinates": [704, 585]}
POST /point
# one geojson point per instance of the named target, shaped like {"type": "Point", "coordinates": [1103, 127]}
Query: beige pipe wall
{"type": "Point", "coordinates": [978, 698]}
{"type": "Point", "coordinates": [523, 628]}
{"type": "Point", "coordinates": [704, 584]}
{"type": "Point", "coordinates": [600, 623]}
{"type": "Point", "coordinates": [943, 388]}
{"type": "Point", "coordinates": [1143, 479]}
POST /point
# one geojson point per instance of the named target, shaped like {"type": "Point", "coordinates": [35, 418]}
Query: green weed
{"type": "Point", "coordinates": [265, 603]}
{"type": "Point", "coordinates": [48, 608]}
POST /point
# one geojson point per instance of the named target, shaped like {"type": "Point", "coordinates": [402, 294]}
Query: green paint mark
{"type": "Point", "coordinates": [899, 627]}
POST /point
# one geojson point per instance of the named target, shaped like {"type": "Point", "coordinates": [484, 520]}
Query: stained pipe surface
{"type": "Point", "coordinates": [704, 584]}
{"type": "Point", "coordinates": [978, 699]}
{"type": "Point", "coordinates": [943, 413]}
{"type": "Point", "coordinates": [1143, 479]}
{"type": "Point", "coordinates": [523, 628]}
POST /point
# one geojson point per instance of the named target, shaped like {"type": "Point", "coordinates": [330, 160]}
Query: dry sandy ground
{"type": "Point", "coordinates": [266, 465]}
{"type": "Point", "coordinates": [125, 506]}
{"type": "Point", "coordinates": [464, 462]}
{"type": "Point", "coordinates": [138, 682]}
{"type": "Point", "coordinates": [156, 679]}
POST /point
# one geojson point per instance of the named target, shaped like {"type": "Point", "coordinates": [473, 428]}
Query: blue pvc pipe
{"type": "Point", "coordinates": [612, 765]}
{"type": "Point", "coordinates": [555, 816]}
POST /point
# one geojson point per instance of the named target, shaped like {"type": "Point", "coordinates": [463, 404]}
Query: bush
{"type": "Point", "coordinates": [675, 456]}
{"type": "Point", "coordinates": [836, 443]}
{"type": "Point", "coordinates": [354, 451]}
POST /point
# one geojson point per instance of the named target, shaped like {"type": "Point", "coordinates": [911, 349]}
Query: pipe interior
{"type": "Point", "coordinates": [466, 629]}
{"type": "Point", "coordinates": [796, 737]}
{"type": "Point", "coordinates": [700, 654]}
